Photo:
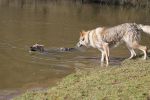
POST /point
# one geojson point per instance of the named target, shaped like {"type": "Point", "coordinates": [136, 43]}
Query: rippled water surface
{"type": "Point", "coordinates": [54, 24]}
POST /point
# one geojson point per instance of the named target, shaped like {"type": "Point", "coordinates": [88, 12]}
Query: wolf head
{"type": "Point", "coordinates": [83, 40]}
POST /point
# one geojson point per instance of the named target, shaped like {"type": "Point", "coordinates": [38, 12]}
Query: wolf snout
{"type": "Point", "coordinates": [79, 44]}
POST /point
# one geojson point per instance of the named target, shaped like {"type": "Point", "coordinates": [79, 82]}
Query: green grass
{"type": "Point", "coordinates": [129, 81]}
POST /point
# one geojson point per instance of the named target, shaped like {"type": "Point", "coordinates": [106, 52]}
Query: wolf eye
{"type": "Point", "coordinates": [83, 39]}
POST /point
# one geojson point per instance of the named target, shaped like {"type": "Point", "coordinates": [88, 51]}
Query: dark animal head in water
{"type": "Point", "coordinates": [37, 47]}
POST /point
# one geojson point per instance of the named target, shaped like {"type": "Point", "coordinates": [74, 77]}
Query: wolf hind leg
{"type": "Point", "coordinates": [132, 52]}
{"type": "Point", "coordinates": [136, 45]}
{"type": "Point", "coordinates": [144, 49]}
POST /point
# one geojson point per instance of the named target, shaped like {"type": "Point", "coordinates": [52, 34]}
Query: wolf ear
{"type": "Point", "coordinates": [82, 33]}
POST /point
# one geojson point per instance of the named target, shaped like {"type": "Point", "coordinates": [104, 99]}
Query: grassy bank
{"type": "Point", "coordinates": [129, 81]}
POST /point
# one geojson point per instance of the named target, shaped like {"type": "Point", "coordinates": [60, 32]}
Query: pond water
{"type": "Point", "coordinates": [54, 24]}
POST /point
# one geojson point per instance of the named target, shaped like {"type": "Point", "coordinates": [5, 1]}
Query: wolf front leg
{"type": "Point", "coordinates": [104, 48]}
{"type": "Point", "coordinates": [106, 51]}
{"type": "Point", "coordinates": [102, 55]}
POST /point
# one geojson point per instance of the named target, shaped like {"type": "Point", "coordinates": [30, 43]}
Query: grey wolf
{"type": "Point", "coordinates": [104, 38]}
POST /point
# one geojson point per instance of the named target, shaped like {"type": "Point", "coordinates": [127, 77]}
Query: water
{"type": "Point", "coordinates": [54, 24]}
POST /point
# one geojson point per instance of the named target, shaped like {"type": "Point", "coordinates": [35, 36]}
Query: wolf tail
{"type": "Point", "coordinates": [145, 28]}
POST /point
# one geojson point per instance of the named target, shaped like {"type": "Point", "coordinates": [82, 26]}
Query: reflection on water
{"type": "Point", "coordinates": [54, 24]}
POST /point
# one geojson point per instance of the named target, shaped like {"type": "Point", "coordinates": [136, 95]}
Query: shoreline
{"type": "Point", "coordinates": [130, 80]}
{"type": "Point", "coordinates": [9, 94]}
{"type": "Point", "coordinates": [124, 3]}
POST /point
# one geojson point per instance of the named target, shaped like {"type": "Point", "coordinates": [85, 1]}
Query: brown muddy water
{"type": "Point", "coordinates": [54, 24]}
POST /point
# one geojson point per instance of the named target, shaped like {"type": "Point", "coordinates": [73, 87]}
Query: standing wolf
{"type": "Point", "coordinates": [103, 38]}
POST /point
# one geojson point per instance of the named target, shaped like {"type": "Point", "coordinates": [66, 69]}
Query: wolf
{"type": "Point", "coordinates": [104, 38]}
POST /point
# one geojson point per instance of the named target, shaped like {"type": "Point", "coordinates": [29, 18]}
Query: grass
{"type": "Point", "coordinates": [129, 81]}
